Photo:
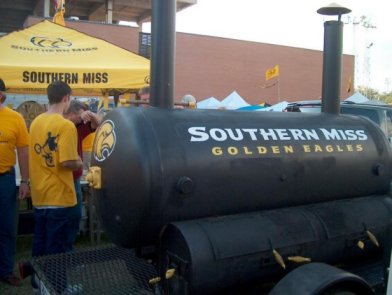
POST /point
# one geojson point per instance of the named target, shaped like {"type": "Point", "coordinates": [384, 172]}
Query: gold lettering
{"type": "Point", "coordinates": [247, 151]}
{"type": "Point", "coordinates": [217, 151]}
{"type": "Point", "coordinates": [288, 149]}
{"type": "Point", "coordinates": [317, 148]}
{"type": "Point", "coordinates": [359, 148]}
{"type": "Point", "coordinates": [261, 150]}
{"type": "Point", "coordinates": [232, 150]}
{"type": "Point", "coordinates": [329, 148]}
{"type": "Point", "coordinates": [275, 149]}
{"type": "Point", "coordinates": [306, 148]}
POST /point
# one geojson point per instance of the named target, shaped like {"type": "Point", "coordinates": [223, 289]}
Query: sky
{"type": "Point", "coordinates": [297, 23]}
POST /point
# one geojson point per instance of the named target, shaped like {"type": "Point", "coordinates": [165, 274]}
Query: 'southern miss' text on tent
{"type": "Point", "coordinates": [32, 58]}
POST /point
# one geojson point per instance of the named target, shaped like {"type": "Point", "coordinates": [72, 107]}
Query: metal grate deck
{"type": "Point", "coordinates": [108, 270]}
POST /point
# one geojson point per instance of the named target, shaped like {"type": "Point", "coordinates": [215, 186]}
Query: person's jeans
{"type": "Point", "coordinates": [76, 215]}
{"type": "Point", "coordinates": [8, 217]}
{"type": "Point", "coordinates": [51, 231]}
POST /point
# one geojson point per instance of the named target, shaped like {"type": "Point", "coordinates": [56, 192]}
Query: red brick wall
{"type": "Point", "coordinates": [210, 66]}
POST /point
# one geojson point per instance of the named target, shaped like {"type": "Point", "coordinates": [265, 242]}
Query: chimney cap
{"type": "Point", "coordinates": [333, 9]}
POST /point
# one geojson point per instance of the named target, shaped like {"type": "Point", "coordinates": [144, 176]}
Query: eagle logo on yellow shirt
{"type": "Point", "coordinates": [105, 140]}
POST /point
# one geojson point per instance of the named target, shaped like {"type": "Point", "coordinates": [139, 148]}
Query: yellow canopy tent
{"type": "Point", "coordinates": [32, 58]}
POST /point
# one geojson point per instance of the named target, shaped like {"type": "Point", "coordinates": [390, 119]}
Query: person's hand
{"type": "Point", "coordinates": [24, 190]}
{"type": "Point", "coordinates": [86, 116]}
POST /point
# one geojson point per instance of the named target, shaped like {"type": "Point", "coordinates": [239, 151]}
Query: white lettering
{"type": "Point", "coordinates": [198, 133]}
{"type": "Point", "coordinates": [252, 133]}
{"type": "Point", "coordinates": [361, 134]}
{"type": "Point", "coordinates": [333, 134]}
{"type": "Point", "coordinates": [218, 134]}
{"type": "Point", "coordinates": [282, 133]}
{"type": "Point", "coordinates": [311, 134]}
{"type": "Point", "coordinates": [297, 134]}
{"type": "Point", "coordinates": [237, 137]}
{"type": "Point", "coordinates": [342, 134]}
{"type": "Point", "coordinates": [270, 133]}
{"type": "Point", "coordinates": [350, 134]}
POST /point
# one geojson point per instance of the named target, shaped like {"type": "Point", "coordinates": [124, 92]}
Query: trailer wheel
{"type": "Point", "coordinates": [321, 279]}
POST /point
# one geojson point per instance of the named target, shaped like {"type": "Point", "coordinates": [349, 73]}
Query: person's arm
{"type": "Point", "coordinates": [72, 165]}
{"type": "Point", "coordinates": [94, 119]}
{"type": "Point", "coordinates": [67, 147]}
{"type": "Point", "coordinates": [23, 159]}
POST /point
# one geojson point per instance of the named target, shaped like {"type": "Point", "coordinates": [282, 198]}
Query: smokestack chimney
{"type": "Point", "coordinates": [332, 60]}
{"type": "Point", "coordinates": [163, 40]}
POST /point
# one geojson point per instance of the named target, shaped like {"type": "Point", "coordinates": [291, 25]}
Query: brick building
{"type": "Point", "coordinates": [211, 66]}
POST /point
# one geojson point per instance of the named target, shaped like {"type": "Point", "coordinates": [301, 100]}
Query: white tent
{"type": "Point", "coordinates": [209, 103]}
{"type": "Point", "coordinates": [234, 101]}
{"type": "Point", "coordinates": [357, 98]}
{"type": "Point", "coordinates": [279, 107]}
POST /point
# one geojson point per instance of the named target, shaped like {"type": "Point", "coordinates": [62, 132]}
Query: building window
{"type": "Point", "coordinates": [145, 45]}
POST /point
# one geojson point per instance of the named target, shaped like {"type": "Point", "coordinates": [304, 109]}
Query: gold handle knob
{"type": "Point", "coordinates": [170, 273]}
{"type": "Point", "coordinates": [154, 281]}
{"type": "Point", "coordinates": [298, 259]}
{"type": "Point", "coordinates": [372, 238]}
{"type": "Point", "coordinates": [94, 177]}
{"type": "Point", "coordinates": [361, 245]}
{"type": "Point", "coordinates": [279, 259]}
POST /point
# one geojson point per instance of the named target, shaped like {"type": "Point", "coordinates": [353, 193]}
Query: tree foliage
{"type": "Point", "coordinates": [374, 94]}
{"type": "Point", "coordinates": [387, 97]}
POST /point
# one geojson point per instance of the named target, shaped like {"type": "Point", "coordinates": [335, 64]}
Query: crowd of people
{"type": "Point", "coordinates": [50, 158]}
{"type": "Point", "coordinates": [51, 164]}
{"type": "Point", "coordinates": [143, 100]}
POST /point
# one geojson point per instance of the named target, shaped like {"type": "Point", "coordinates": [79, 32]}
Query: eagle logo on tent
{"type": "Point", "coordinates": [105, 140]}
{"type": "Point", "coordinates": [47, 42]}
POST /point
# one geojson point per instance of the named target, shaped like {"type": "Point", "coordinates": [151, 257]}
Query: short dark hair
{"type": "Point", "coordinates": [75, 106]}
{"type": "Point", "coordinates": [57, 90]}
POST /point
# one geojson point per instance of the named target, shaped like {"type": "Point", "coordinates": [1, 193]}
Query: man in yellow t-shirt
{"type": "Point", "coordinates": [13, 136]}
{"type": "Point", "coordinates": [53, 156]}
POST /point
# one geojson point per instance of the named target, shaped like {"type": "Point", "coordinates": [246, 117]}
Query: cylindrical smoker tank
{"type": "Point", "coordinates": [162, 165]}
